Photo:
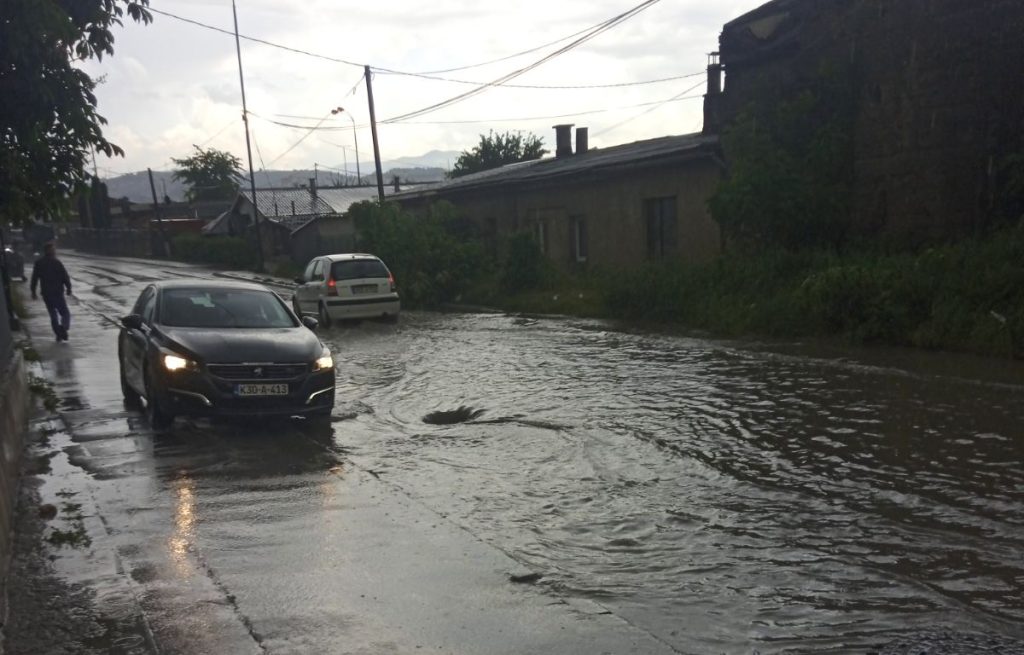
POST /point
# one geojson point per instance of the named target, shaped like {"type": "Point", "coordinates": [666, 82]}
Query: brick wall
{"type": "Point", "coordinates": [939, 96]}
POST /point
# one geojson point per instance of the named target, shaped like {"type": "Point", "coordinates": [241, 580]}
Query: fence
{"type": "Point", "coordinates": [116, 242]}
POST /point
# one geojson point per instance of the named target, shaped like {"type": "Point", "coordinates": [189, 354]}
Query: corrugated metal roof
{"type": "Point", "coordinates": [341, 199]}
{"type": "Point", "coordinates": [648, 152]}
{"type": "Point", "coordinates": [279, 205]}
{"type": "Point", "coordinates": [276, 204]}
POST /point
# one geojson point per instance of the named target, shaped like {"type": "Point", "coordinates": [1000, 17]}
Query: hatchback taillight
{"type": "Point", "coordinates": [391, 281]}
{"type": "Point", "coordinates": [332, 287]}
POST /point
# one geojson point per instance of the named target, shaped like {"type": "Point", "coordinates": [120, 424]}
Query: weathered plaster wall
{"type": "Point", "coordinates": [940, 98]}
{"type": "Point", "coordinates": [613, 207]}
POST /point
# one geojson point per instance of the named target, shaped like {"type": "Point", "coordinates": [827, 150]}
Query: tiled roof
{"type": "Point", "coordinates": [641, 153]}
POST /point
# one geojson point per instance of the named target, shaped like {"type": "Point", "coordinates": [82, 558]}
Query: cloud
{"type": "Point", "coordinates": [171, 84]}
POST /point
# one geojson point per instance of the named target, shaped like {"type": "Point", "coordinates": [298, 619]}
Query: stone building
{"type": "Point", "coordinates": [616, 206]}
{"type": "Point", "coordinates": [939, 88]}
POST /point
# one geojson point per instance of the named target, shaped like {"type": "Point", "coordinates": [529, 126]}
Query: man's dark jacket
{"type": "Point", "coordinates": [51, 276]}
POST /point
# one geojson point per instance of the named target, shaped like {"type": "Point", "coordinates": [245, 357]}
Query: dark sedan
{"type": "Point", "coordinates": [222, 349]}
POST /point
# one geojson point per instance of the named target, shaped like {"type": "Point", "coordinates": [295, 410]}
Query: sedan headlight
{"type": "Point", "coordinates": [324, 362]}
{"type": "Point", "coordinates": [175, 363]}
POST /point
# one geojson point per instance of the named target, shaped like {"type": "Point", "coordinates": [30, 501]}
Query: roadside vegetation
{"type": "Point", "coordinates": [794, 264]}
{"type": "Point", "coordinates": [965, 295]}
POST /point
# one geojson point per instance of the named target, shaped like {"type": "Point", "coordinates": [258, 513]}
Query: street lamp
{"type": "Point", "coordinates": [339, 110]}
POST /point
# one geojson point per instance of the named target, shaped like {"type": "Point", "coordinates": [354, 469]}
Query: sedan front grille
{"type": "Point", "coordinates": [258, 371]}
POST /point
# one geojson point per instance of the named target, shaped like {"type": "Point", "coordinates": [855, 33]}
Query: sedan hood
{"type": "Point", "coordinates": [235, 345]}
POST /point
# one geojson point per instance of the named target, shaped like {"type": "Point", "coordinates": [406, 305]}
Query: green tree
{"type": "Point", "coordinates": [496, 150]}
{"type": "Point", "coordinates": [210, 174]}
{"type": "Point", "coordinates": [48, 117]}
{"type": "Point", "coordinates": [435, 256]}
{"type": "Point", "coordinates": [791, 169]}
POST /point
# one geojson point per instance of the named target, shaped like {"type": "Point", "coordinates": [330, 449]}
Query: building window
{"type": "Point", "coordinates": [541, 234]}
{"type": "Point", "coordinates": [662, 239]}
{"type": "Point", "coordinates": [578, 239]}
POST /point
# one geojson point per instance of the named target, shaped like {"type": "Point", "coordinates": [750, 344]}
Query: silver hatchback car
{"type": "Point", "coordinates": [347, 286]}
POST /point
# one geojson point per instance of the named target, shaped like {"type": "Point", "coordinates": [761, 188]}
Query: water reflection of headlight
{"type": "Point", "coordinates": [184, 523]}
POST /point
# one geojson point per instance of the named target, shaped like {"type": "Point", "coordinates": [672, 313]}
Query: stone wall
{"type": "Point", "coordinates": [14, 404]}
{"type": "Point", "coordinates": [940, 100]}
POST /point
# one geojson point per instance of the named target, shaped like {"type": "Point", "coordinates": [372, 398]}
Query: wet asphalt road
{"type": "Point", "coordinates": [678, 495]}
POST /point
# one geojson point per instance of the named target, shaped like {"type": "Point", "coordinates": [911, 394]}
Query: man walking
{"type": "Point", "coordinates": [51, 276]}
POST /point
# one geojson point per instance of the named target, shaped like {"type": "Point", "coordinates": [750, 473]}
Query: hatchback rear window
{"type": "Point", "coordinates": [354, 269]}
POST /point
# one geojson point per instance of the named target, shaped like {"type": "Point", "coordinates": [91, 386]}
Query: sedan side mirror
{"type": "Point", "coordinates": [310, 322]}
{"type": "Point", "coordinates": [300, 280]}
{"type": "Point", "coordinates": [132, 322]}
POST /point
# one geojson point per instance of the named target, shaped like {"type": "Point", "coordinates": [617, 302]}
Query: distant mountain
{"type": "Point", "coordinates": [430, 167]}
{"type": "Point", "coordinates": [443, 159]}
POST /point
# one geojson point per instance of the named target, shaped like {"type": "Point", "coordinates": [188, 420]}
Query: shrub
{"type": "Point", "coordinates": [523, 265]}
{"type": "Point", "coordinates": [434, 257]}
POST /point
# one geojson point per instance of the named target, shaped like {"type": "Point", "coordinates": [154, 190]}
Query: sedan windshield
{"type": "Point", "coordinates": [223, 308]}
{"type": "Point", "coordinates": [356, 269]}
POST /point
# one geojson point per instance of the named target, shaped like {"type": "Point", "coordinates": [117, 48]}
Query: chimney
{"type": "Point", "coordinates": [312, 188]}
{"type": "Point", "coordinates": [713, 98]}
{"type": "Point", "coordinates": [582, 141]}
{"type": "Point", "coordinates": [563, 140]}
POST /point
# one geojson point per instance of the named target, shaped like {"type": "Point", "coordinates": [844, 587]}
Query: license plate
{"type": "Point", "coordinates": [261, 390]}
{"type": "Point", "coordinates": [364, 288]}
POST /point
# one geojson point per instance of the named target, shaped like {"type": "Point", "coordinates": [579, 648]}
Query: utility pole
{"type": "Point", "coordinates": [159, 218]}
{"type": "Point", "coordinates": [373, 130]}
{"type": "Point", "coordinates": [316, 175]}
{"type": "Point", "coordinates": [248, 147]}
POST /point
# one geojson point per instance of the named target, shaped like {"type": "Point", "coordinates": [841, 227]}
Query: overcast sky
{"type": "Point", "coordinates": [171, 84]}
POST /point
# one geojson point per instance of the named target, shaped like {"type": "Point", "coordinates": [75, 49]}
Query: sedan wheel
{"type": "Point", "coordinates": [159, 418]}
{"type": "Point", "coordinates": [325, 317]}
{"type": "Point", "coordinates": [131, 398]}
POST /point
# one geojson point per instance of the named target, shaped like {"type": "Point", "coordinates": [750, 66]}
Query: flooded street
{"type": "Point", "coordinates": [712, 497]}
{"type": "Point", "coordinates": [722, 498]}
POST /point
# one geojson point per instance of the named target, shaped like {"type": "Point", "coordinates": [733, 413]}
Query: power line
{"type": "Point", "coordinates": [262, 165]}
{"type": "Point", "coordinates": [301, 139]}
{"type": "Point", "coordinates": [219, 132]}
{"type": "Point", "coordinates": [585, 112]}
{"type": "Point", "coordinates": [431, 75]}
{"type": "Point", "coordinates": [549, 87]}
{"type": "Point", "coordinates": [299, 51]}
{"type": "Point", "coordinates": [319, 126]}
{"type": "Point", "coordinates": [523, 119]}
{"type": "Point", "coordinates": [647, 111]}
{"type": "Point", "coordinates": [512, 56]}
{"type": "Point", "coordinates": [603, 27]}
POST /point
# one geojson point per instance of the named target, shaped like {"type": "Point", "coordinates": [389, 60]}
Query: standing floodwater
{"type": "Point", "coordinates": [658, 494]}
{"type": "Point", "coordinates": [723, 498]}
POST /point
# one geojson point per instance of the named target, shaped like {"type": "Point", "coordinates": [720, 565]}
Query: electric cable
{"type": "Point", "coordinates": [607, 25]}
{"type": "Point", "coordinates": [655, 106]}
{"type": "Point", "coordinates": [431, 75]}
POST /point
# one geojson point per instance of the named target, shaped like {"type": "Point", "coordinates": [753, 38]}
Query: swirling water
{"type": "Point", "coordinates": [724, 497]}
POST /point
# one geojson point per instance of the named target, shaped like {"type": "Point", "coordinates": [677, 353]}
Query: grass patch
{"type": "Point", "coordinates": [29, 353]}
{"type": "Point", "coordinates": [44, 390]}
{"type": "Point", "coordinates": [76, 537]}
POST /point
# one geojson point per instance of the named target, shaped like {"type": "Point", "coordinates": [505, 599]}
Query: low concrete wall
{"type": "Point", "coordinates": [14, 406]}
